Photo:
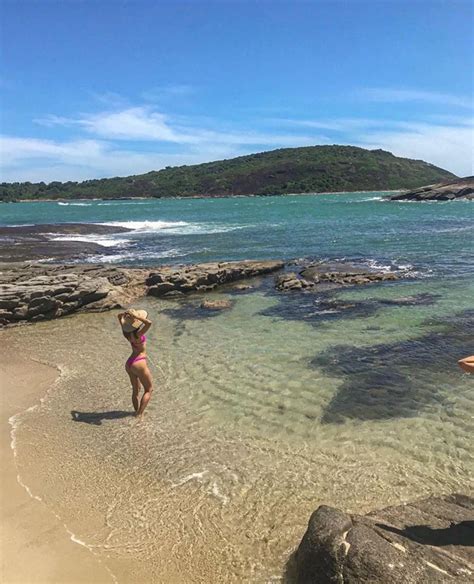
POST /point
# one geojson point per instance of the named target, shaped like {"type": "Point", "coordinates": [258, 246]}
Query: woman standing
{"type": "Point", "coordinates": [134, 325]}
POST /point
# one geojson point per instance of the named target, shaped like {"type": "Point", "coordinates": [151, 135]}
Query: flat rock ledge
{"type": "Point", "coordinates": [427, 541]}
{"type": "Point", "coordinates": [462, 188]}
{"type": "Point", "coordinates": [311, 277]}
{"type": "Point", "coordinates": [34, 292]}
{"type": "Point", "coordinates": [175, 281]}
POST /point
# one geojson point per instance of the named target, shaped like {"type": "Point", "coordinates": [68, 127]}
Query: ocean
{"type": "Point", "coordinates": [262, 412]}
{"type": "Point", "coordinates": [421, 236]}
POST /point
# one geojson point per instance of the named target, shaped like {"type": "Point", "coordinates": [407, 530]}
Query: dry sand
{"type": "Point", "coordinates": [35, 546]}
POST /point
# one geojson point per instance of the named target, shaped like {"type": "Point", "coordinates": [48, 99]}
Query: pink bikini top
{"type": "Point", "coordinates": [140, 342]}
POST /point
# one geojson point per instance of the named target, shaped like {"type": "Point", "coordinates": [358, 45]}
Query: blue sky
{"type": "Point", "coordinates": [95, 89]}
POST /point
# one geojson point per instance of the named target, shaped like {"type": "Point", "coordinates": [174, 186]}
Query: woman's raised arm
{"type": "Point", "coordinates": [147, 324]}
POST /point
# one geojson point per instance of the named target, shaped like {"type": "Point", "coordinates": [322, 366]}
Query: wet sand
{"type": "Point", "coordinates": [36, 547]}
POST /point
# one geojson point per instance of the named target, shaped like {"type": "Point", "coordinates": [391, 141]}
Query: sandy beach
{"type": "Point", "coordinates": [36, 547]}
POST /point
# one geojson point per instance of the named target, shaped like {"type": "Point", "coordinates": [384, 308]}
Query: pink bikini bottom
{"type": "Point", "coordinates": [131, 360]}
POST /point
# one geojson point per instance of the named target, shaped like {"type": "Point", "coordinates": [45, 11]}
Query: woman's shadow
{"type": "Point", "coordinates": [96, 418]}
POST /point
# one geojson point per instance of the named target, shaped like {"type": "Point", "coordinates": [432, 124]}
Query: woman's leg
{"type": "Point", "coordinates": [135, 389]}
{"type": "Point", "coordinates": [144, 375]}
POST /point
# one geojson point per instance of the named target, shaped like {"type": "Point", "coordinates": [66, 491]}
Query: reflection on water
{"type": "Point", "coordinates": [238, 444]}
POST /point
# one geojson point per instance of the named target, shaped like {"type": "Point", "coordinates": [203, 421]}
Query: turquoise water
{"type": "Point", "coordinates": [426, 237]}
{"type": "Point", "coordinates": [263, 412]}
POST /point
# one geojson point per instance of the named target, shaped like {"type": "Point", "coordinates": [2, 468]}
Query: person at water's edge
{"type": "Point", "coordinates": [134, 325]}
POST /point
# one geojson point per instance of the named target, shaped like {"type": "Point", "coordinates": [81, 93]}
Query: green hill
{"type": "Point", "coordinates": [311, 169]}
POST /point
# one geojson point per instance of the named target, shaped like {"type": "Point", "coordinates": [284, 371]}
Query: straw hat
{"type": "Point", "coordinates": [130, 323]}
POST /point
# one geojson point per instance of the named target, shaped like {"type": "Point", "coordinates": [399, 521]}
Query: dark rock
{"type": "Point", "coordinates": [323, 547]}
{"type": "Point", "coordinates": [154, 279]}
{"type": "Point", "coordinates": [160, 289]}
{"type": "Point", "coordinates": [462, 188]}
{"type": "Point", "coordinates": [428, 541]}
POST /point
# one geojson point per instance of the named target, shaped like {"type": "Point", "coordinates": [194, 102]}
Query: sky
{"type": "Point", "coordinates": [95, 88]}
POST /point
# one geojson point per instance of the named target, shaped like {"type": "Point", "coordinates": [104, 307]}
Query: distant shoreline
{"type": "Point", "coordinates": [200, 197]}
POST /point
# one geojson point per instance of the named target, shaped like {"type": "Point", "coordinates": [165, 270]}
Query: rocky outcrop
{"type": "Point", "coordinates": [59, 242]}
{"type": "Point", "coordinates": [337, 274]}
{"type": "Point", "coordinates": [33, 292]}
{"type": "Point", "coordinates": [37, 291]}
{"type": "Point", "coordinates": [204, 277]}
{"type": "Point", "coordinates": [430, 540]}
{"type": "Point", "coordinates": [462, 188]}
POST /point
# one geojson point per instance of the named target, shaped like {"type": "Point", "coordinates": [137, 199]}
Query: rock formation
{"type": "Point", "coordinates": [428, 541]}
{"type": "Point", "coordinates": [33, 292]}
{"type": "Point", "coordinates": [462, 188]}
{"type": "Point", "coordinates": [38, 291]}
{"type": "Point", "coordinates": [337, 274]}
{"type": "Point", "coordinates": [205, 277]}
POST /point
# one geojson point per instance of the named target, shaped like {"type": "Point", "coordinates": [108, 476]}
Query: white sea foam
{"type": "Point", "coordinates": [190, 477]}
{"type": "Point", "coordinates": [374, 264]}
{"type": "Point", "coordinates": [115, 203]}
{"type": "Point", "coordinates": [104, 241]}
{"type": "Point", "coordinates": [201, 478]}
{"type": "Point", "coordinates": [175, 227]}
{"type": "Point", "coordinates": [63, 204]}
{"type": "Point", "coordinates": [135, 255]}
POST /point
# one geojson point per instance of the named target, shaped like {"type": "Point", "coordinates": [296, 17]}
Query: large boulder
{"type": "Point", "coordinates": [428, 541]}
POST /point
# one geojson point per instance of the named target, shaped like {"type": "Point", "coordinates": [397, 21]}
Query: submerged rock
{"type": "Point", "coordinates": [398, 379]}
{"type": "Point", "coordinates": [428, 541]}
{"type": "Point", "coordinates": [216, 304]}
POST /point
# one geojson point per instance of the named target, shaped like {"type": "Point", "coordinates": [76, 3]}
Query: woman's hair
{"type": "Point", "coordinates": [128, 335]}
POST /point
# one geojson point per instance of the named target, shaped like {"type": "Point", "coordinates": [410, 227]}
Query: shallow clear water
{"type": "Point", "coordinates": [263, 412]}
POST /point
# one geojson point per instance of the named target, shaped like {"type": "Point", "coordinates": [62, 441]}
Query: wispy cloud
{"type": "Point", "coordinates": [145, 124]}
{"type": "Point", "coordinates": [127, 139]}
{"type": "Point", "coordinates": [394, 95]}
{"type": "Point", "coordinates": [446, 141]}
{"type": "Point", "coordinates": [46, 160]}
{"type": "Point", "coordinates": [130, 140]}
{"type": "Point", "coordinates": [449, 147]}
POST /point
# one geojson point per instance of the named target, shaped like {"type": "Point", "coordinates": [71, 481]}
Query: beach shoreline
{"type": "Point", "coordinates": [31, 531]}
